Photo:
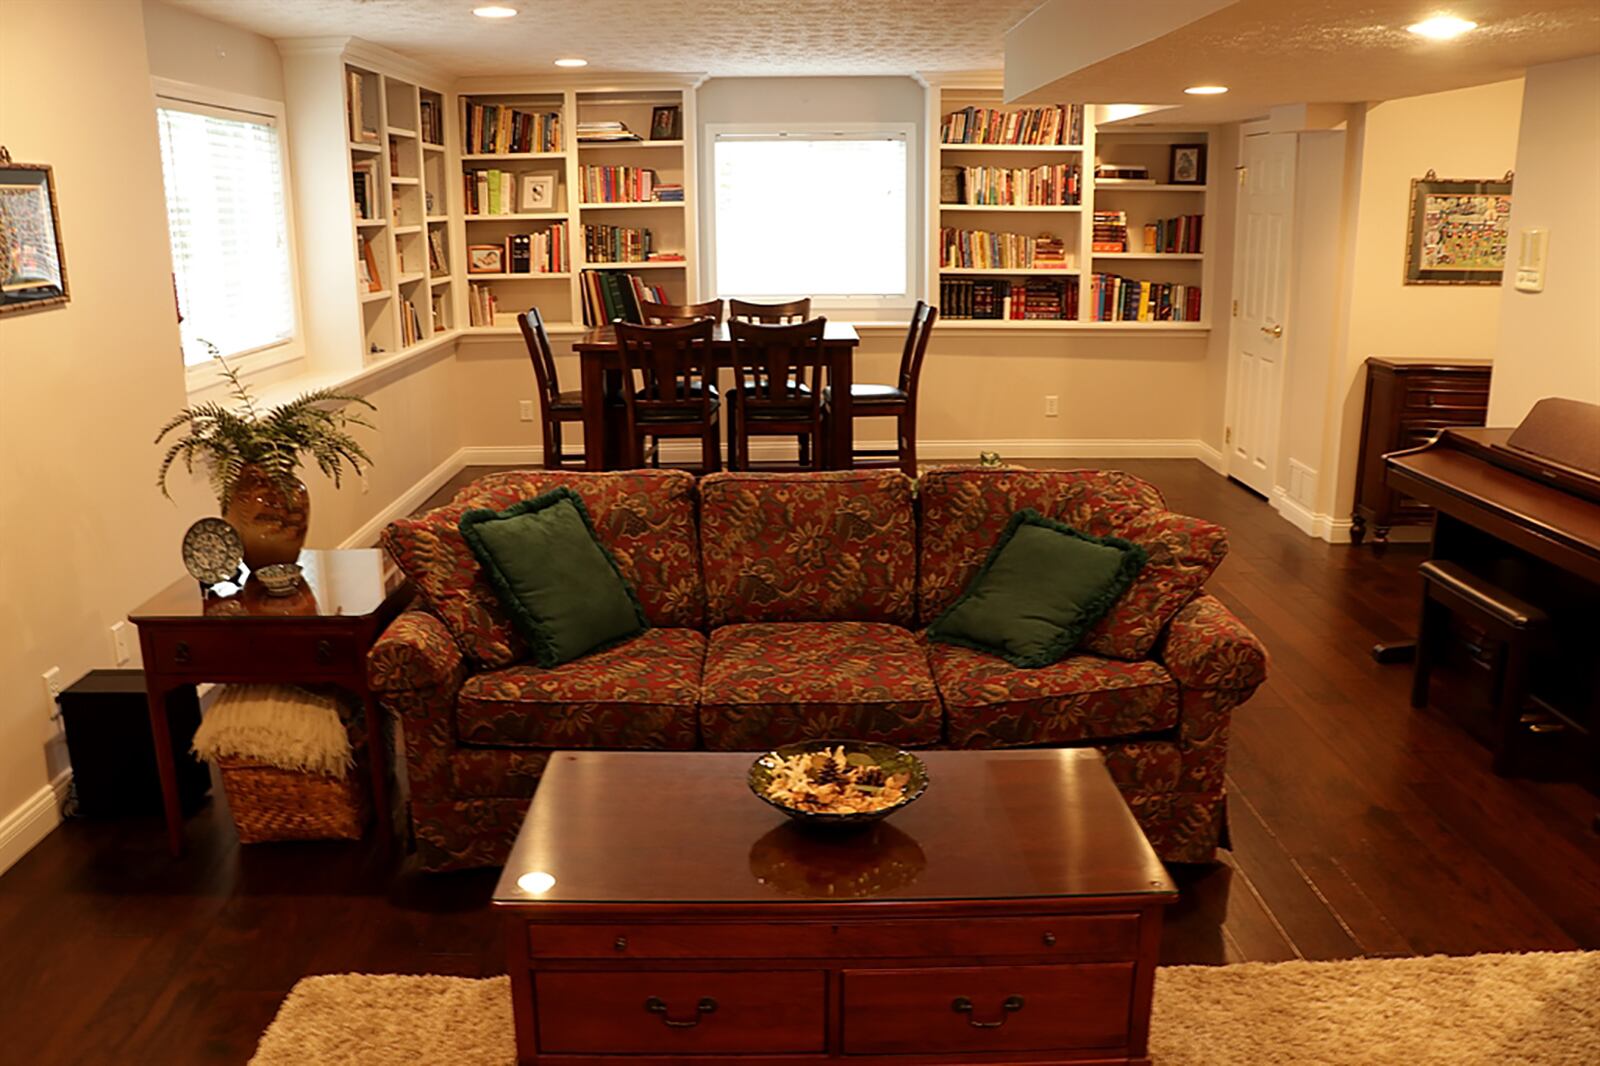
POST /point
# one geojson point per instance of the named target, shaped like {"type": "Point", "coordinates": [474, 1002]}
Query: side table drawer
{"type": "Point", "coordinates": [681, 1013]}
{"type": "Point", "coordinates": [218, 655]}
{"type": "Point", "coordinates": [1001, 1008]}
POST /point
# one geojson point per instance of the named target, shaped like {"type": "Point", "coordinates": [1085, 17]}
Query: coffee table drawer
{"type": "Point", "coordinates": [1002, 1008]}
{"type": "Point", "coordinates": [680, 1013]}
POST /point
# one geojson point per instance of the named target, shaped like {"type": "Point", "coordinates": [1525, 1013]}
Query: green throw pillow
{"type": "Point", "coordinates": [1042, 587]}
{"type": "Point", "coordinates": [561, 587]}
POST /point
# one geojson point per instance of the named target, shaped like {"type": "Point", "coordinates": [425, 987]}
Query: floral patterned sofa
{"type": "Point", "coordinates": [788, 606]}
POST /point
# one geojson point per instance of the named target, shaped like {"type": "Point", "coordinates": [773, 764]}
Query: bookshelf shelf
{"type": "Point", "coordinates": [400, 131]}
{"type": "Point", "coordinates": [1189, 256]}
{"type": "Point", "coordinates": [429, 146]}
{"type": "Point", "coordinates": [563, 275]}
{"type": "Point", "coordinates": [599, 145]}
{"type": "Point", "coordinates": [1056, 148]}
{"type": "Point", "coordinates": [363, 146]}
{"type": "Point", "coordinates": [400, 231]}
{"type": "Point", "coordinates": [441, 279]}
{"type": "Point", "coordinates": [490, 156]}
{"type": "Point", "coordinates": [405, 181]}
{"type": "Point", "coordinates": [373, 297]}
{"type": "Point", "coordinates": [1102, 187]}
{"type": "Point", "coordinates": [1031, 209]}
{"type": "Point", "coordinates": [431, 219]}
{"type": "Point", "coordinates": [649, 264]}
{"type": "Point", "coordinates": [408, 279]}
{"type": "Point", "coordinates": [525, 216]}
{"type": "Point", "coordinates": [625, 206]}
{"type": "Point", "coordinates": [371, 223]}
{"type": "Point", "coordinates": [1031, 272]}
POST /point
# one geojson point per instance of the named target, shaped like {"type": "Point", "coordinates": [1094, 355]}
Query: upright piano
{"type": "Point", "coordinates": [1520, 508]}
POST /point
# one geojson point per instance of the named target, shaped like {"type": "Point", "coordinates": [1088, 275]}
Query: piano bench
{"type": "Point", "coordinates": [1518, 626]}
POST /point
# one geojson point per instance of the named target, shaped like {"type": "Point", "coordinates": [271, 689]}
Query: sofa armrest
{"type": "Point", "coordinates": [415, 652]}
{"type": "Point", "coordinates": [1207, 647]}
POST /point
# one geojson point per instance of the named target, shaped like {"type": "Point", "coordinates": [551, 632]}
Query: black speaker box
{"type": "Point", "coordinates": [107, 720]}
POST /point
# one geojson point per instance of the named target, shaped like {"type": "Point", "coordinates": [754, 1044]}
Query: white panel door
{"type": "Point", "coordinates": [1255, 372]}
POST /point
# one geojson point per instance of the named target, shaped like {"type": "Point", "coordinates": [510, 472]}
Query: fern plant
{"type": "Point", "coordinates": [227, 438]}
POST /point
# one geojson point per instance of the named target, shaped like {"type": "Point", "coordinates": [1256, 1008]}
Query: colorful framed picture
{"type": "Point", "coordinates": [1187, 164]}
{"type": "Point", "coordinates": [1457, 231]}
{"type": "Point", "coordinates": [538, 192]}
{"type": "Point", "coordinates": [33, 265]}
{"type": "Point", "coordinates": [486, 259]}
{"type": "Point", "coordinates": [666, 123]}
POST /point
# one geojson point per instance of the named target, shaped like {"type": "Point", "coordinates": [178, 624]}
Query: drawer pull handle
{"type": "Point", "coordinates": [181, 653]}
{"type": "Point", "coordinates": [620, 944]}
{"type": "Point", "coordinates": [324, 653]}
{"type": "Point", "coordinates": [1049, 940]}
{"type": "Point", "coordinates": [963, 1005]}
{"type": "Point", "coordinates": [656, 1005]}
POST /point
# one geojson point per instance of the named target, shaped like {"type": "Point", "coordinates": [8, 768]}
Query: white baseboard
{"type": "Point", "coordinates": [1311, 523]}
{"type": "Point", "coordinates": [33, 820]}
{"type": "Point", "coordinates": [408, 501]}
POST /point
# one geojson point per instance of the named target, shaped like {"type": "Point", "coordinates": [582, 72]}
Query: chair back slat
{"type": "Point", "coordinates": [772, 362]}
{"type": "Point", "coordinates": [655, 314]}
{"type": "Point", "coordinates": [537, 339]}
{"type": "Point", "coordinates": [917, 336]}
{"type": "Point", "coordinates": [675, 369]}
{"type": "Point", "coordinates": [769, 314]}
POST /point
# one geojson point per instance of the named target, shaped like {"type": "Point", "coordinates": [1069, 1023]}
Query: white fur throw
{"type": "Point", "coordinates": [280, 725]}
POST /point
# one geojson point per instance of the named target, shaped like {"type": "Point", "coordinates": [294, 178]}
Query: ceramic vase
{"type": "Point", "coordinates": [271, 519]}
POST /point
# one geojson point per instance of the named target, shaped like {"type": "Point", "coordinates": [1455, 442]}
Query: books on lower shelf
{"type": "Point", "coordinates": [604, 132]}
{"type": "Point", "coordinates": [1059, 185]}
{"type": "Point", "coordinates": [1122, 174]}
{"type": "Point", "coordinates": [969, 249]}
{"type": "Point", "coordinates": [1036, 299]}
{"type": "Point", "coordinates": [616, 244]}
{"type": "Point", "coordinates": [361, 130]}
{"type": "Point", "coordinates": [1110, 231]}
{"type": "Point", "coordinates": [499, 129]}
{"type": "Point", "coordinates": [438, 260]}
{"type": "Point", "coordinates": [410, 323]}
{"type": "Point", "coordinates": [669, 194]}
{"type": "Point", "coordinates": [438, 302]}
{"type": "Point", "coordinates": [494, 192]}
{"type": "Point", "coordinates": [1061, 124]}
{"type": "Point", "coordinates": [618, 185]}
{"type": "Point", "coordinates": [612, 294]}
{"type": "Point", "coordinates": [432, 123]}
{"type": "Point", "coordinates": [1113, 298]}
{"type": "Point", "coordinates": [481, 305]}
{"type": "Point", "coordinates": [1180, 235]}
{"type": "Point", "coordinates": [364, 178]}
{"type": "Point", "coordinates": [544, 251]}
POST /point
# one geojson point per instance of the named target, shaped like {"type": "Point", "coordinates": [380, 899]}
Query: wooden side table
{"type": "Point", "coordinates": [319, 635]}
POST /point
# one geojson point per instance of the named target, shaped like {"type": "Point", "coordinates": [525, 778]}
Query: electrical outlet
{"type": "Point", "coordinates": [120, 651]}
{"type": "Point", "coordinates": [525, 410]}
{"type": "Point", "coordinates": [1052, 406]}
{"type": "Point", "coordinates": [52, 688]}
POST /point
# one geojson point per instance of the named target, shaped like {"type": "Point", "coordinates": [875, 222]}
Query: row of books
{"type": "Point", "coordinates": [439, 303]}
{"type": "Point", "coordinates": [410, 323]}
{"type": "Point", "coordinates": [976, 249]}
{"type": "Point", "coordinates": [499, 129]}
{"type": "Point", "coordinates": [1061, 124]}
{"type": "Point", "coordinates": [481, 305]}
{"type": "Point", "coordinates": [494, 192]}
{"type": "Point", "coordinates": [364, 176]}
{"type": "Point", "coordinates": [1036, 299]}
{"type": "Point", "coordinates": [618, 185]}
{"type": "Point", "coordinates": [438, 261]}
{"type": "Point", "coordinates": [546, 251]}
{"type": "Point", "coordinates": [602, 132]}
{"type": "Point", "coordinates": [1173, 235]}
{"type": "Point", "coordinates": [616, 244]}
{"type": "Point", "coordinates": [1113, 298]}
{"type": "Point", "coordinates": [432, 122]}
{"type": "Point", "coordinates": [612, 294]}
{"type": "Point", "coordinates": [1044, 186]}
{"type": "Point", "coordinates": [1110, 231]}
{"type": "Point", "coordinates": [361, 130]}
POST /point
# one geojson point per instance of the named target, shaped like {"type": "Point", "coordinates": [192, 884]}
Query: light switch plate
{"type": "Point", "coordinates": [1532, 251]}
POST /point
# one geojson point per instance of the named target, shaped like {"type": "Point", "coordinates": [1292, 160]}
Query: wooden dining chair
{"type": "Point", "coordinates": [769, 314]}
{"type": "Point", "coordinates": [778, 388]}
{"type": "Point", "coordinates": [677, 314]}
{"type": "Point", "coordinates": [675, 396]}
{"type": "Point", "coordinates": [556, 408]}
{"type": "Point", "coordinates": [898, 401]}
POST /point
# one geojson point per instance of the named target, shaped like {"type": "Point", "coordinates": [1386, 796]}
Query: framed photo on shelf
{"type": "Point", "coordinates": [538, 192]}
{"type": "Point", "coordinates": [1187, 164]}
{"type": "Point", "coordinates": [666, 123]}
{"type": "Point", "coordinates": [33, 265]}
{"type": "Point", "coordinates": [486, 259]}
{"type": "Point", "coordinates": [1457, 230]}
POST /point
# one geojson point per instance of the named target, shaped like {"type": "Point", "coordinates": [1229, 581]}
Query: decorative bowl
{"type": "Point", "coordinates": [886, 757]}
{"type": "Point", "coordinates": [279, 579]}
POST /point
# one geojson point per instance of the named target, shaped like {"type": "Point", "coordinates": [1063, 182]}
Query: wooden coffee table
{"type": "Point", "coordinates": [653, 908]}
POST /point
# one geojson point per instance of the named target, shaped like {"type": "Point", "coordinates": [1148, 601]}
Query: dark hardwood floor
{"type": "Point", "coordinates": [1359, 826]}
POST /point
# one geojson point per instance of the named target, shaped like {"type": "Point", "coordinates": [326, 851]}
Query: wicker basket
{"type": "Point", "coordinates": [273, 804]}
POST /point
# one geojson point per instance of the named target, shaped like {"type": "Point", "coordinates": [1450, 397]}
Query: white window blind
{"type": "Point", "coordinates": [811, 214]}
{"type": "Point", "coordinates": [225, 214]}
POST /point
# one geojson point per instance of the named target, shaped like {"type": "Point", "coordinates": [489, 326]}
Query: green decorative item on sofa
{"type": "Point", "coordinates": [559, 584]}
{"type": "Point", "coordinates": [1041, 588]}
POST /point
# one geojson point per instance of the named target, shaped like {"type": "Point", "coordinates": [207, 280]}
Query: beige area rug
{"type": "Point", "coordinates": [1539, 1009]}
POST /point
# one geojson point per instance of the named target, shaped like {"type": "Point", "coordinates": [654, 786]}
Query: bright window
{"type": "Point", "coordinates": [229, 227]}
{"type": "Point", "coordinates": [820, 214]}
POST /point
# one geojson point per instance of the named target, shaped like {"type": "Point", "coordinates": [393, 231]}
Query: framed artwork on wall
{"type": "Point", "coordinates": [1456, 232]}
{"type": "Point", "coordinates": [538, 192]}
{"type": "Point", "coordinates": [485, 259]}
{"type": "Point", "coordinates": [666, 123]}
{"type": "Point", "coordinates": [1187, 164]}
{"type": "Point", "coordinates": [33, 265]}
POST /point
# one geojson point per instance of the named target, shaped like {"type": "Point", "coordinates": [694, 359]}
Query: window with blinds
{"type": "Point", "coordinates": [819, 214]}
{"type": "Point", "coordinates": [229, 229]}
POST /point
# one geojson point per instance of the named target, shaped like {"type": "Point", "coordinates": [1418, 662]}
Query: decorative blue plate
{"type": "Point", "coordinates": [212, 551]}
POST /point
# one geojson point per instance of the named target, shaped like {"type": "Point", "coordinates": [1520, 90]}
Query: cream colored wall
{"type": "Point", "coordinates": [1549, 342]}
{"type": "Point", "coordinates": [1465, 133]}
{"type": "Point", "coordinates": [185, 47]}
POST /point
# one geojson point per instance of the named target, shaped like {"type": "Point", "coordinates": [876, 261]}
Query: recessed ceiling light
{"type": "Point", "coordinates": [494, 11]}
{"type": "Point", "coordinates": [1206, 90]}
{"type": "Point", "coordinates": [573, 62]}
{"type": "Point", "coordinates": [1442, 27]}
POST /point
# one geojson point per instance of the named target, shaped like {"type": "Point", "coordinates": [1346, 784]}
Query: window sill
{"type": "Point", "coordinates": [357, 380]}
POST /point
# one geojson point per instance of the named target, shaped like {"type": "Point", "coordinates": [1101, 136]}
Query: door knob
{"type": "Point", "coordinates": [1273, 330]}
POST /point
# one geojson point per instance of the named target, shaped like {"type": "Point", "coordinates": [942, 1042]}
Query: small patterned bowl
{"type": "Point", "coordinates": [887, 757]}
{"type": "Point", "coordinates": [279, 579]}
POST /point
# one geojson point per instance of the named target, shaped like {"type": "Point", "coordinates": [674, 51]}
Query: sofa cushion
{"type": "Point", "coordinates": [561, 587]}
{"type": "Point", "coordinates": [808, 547]}
{"type": "Point", "coordinates": [771, 683]}
{"type": "Point", "coordinates": [638, 694]}
{"type": "Point", "coordinates": [991, 704]}
{"type": "Point", "coordinates": [645, 518]}
{"type": "Point", "coordinates": [964, 510]}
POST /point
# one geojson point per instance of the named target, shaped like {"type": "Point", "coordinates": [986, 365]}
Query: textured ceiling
{"type": "Point", "coordinates": [1271, 52]}
{"type": "Point", "coordinates": [718, 37]}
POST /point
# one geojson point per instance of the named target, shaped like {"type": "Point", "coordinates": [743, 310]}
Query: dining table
{"type": "Point", "coordinates": [602, 371]}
